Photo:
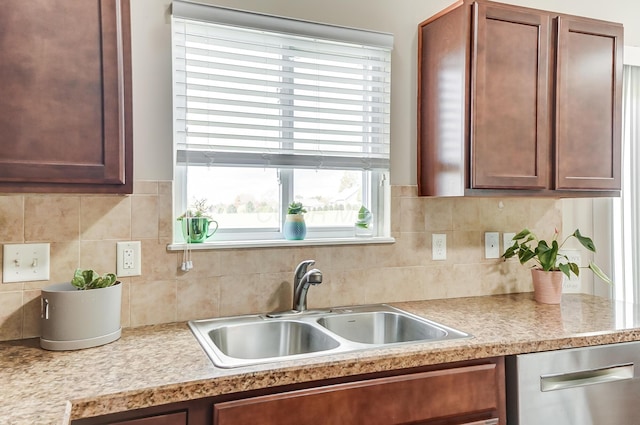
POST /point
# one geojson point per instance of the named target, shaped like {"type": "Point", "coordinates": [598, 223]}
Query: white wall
{"type": "Point", "coordinates": [152, 63]}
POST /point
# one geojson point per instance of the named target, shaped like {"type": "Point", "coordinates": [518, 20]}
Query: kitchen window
{"type": "Point", "coordinates": [271, 110]}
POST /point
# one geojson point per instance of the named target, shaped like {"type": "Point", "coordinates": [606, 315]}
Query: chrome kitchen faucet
{"type": "Point", "coordinates": [302, 279]}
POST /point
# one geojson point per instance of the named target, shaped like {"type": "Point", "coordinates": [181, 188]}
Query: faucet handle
{"type": "Point", "coordinates": [301, 269]}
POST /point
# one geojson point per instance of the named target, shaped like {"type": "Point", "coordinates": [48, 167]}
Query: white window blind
{"type": "Point", "coordinates": [256, 90]}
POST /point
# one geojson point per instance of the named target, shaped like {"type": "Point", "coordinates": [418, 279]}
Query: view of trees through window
{"type": "Point", "coordinates": [250, 197]}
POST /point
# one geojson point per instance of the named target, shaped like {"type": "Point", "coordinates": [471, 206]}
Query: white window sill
{"type": "Point", "coordinates": [280, 243]}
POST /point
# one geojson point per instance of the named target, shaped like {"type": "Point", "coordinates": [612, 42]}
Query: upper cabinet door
{"type": "Point", "coordinates": [588, 104]}
{"type": "Point", "coordinates": [510, 89]}
{"type": "Point", "coordinates": [65, 112]}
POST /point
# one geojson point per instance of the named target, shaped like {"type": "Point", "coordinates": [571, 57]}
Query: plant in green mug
{"type": "Point", "coordinates": [200, 208]}
{"type": "Point", "coordinates": [527, 247]}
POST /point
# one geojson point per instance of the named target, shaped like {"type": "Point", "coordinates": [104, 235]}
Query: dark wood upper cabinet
{"type": "Point", "coordinates": [513, 100]}
{"type": "Point", "coordinates": [65, 110]}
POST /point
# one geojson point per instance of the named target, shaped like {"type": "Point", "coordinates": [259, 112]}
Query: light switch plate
{"type": "Point", "coordinates": [491, 245]}
{"type": "Point", "coordinates": [507, 240]}
{"type": "Point", "coordinates": [129, 259]}
{"type": "Point", "coordinates": [25, 262]}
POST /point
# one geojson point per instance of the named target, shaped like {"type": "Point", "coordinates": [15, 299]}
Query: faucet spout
{"type": "Point", "coordinates": [302, 283]}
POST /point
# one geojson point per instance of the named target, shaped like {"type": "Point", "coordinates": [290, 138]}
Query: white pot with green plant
{"type": "Point", "coordinates": [196, 224]}
{"type": "Point", "coordinates": [82, 313]}
{"type": "Point", "coordinates": [295, 228]}
{"type": "Point", "coordinates": [549, 263]}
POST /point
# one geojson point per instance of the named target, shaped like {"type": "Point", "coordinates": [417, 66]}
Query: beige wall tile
{"type": "Point", "coordinates": [255, 293]}
{"type": "Point", "coordinates": [153, 302]}
{"type": "Point", "coordinates": [466, 214]}
{"type": "Point", "coordinates": [98, 255]}
{"type": "Point", "coordinates": [11, 218]}
{"type": "Point", "coordinates": [165, 209]}
{"type": "Point", "coordinates": [105, 218]}
{"type": "Point", "coordinates": [125, 308]}
{"type": "Point", "coordinates": [65, 259]}
{"type": "Point", "coordinates": [157, 263]}
{"type": "Point", "coordinates": [32, 311]}
{"type": "Point", "coordinates": [392, 285]}
{"type": "Point", "coordinates": [145, 187]}
{"type": "Point", "coordinates": [466, 247]}
{"type": "Point", "coordinates": [412, 211]}
{"type": "Point", "coordinates": [11, 317]}
{"type": "Point", "coordinates": [438, 214]}
{"type": "Point", "coordinates": [144, 217]}
{"type": "Point", "coordinates": [51, 218]}
{"type": "Point", "coordinates": [198, 299]}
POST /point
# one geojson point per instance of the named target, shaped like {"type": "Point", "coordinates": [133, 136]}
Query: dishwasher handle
{"type": "Point", "coordinates": [586, 377]}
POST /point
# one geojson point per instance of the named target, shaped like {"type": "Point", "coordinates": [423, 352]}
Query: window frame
{"type": "Point", "coordinates": [375, 181]}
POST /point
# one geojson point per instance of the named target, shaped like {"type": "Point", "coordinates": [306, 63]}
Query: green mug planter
{"type": "Point", "coordinates": [196, 225]}
{"type": "Point", "coordinates": [198, 229]}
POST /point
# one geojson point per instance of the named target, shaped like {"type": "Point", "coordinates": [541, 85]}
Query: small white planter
{"type": "Point", "coordinates": [73, 319]}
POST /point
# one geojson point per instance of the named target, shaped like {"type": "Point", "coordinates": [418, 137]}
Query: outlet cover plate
{"type": "Point", "coordinates": [25, 262]}
{"type": "Point", "coordinates": [438, 246]}
{"type": "Point", "coordinates": [129, 259]}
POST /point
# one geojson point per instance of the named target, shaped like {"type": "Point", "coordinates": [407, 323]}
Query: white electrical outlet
{"type": "Point", "coordinates": [25, 262]}
{"type": "Point", "coordinates": [507, 241]}
{"type": "Point", "coordinates": [438, 246]}
{"type": "Point", "coordinates": [129, 259]}
{"type": "Point", "coordinates": [571, 285]}
{"type": "Point", "coordinates": [491, 245]}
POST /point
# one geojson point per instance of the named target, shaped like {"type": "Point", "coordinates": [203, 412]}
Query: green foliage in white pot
{"type": "Point", "coordinates": [89, 279]}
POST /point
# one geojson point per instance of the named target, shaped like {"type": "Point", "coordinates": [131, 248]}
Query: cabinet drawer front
{"type": "Point", "coordinates": [394, 400]}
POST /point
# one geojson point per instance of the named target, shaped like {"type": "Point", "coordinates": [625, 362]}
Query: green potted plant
{"type": "Point", "coordinates": [294, 227]}
{"type": "Point", "coordinates": [82, 313]}
{"type": "Point", "coordinates": [549, 263]}
{"type": "Point", "coordinates": [363, 226]}
{"type": "Point", "coordinates": [197, 225]}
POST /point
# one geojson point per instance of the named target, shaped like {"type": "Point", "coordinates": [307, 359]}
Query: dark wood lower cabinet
{"type": "Point", "coordinates": [467, 393]}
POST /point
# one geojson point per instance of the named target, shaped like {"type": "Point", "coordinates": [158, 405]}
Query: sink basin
{"type": "Point", "coordinates": [255, 339]}
{"type": "Point", "coordinates": [270, 339]}
{"type": "Point", "coordinates": [381, 327]}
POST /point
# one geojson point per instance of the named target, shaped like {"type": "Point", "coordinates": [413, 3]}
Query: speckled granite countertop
{"type": "Point", "coordinates": [161, 364]}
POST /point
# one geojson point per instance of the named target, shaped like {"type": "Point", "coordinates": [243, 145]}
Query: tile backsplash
{"type": "Point", "coordinates": [83, 231]}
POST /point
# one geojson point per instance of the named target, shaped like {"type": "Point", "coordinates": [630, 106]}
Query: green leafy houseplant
{"type": "Point", "coordinates": [296, 208]}
{"type": "Point", "coordinates": [364, 218]}
{"type": "Point", "coordinates": [89, 279]}
{"type": "Point", "coordinates": [527, 247]}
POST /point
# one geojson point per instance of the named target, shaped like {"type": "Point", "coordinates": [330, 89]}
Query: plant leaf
{"type": "Point", "coordinates": [564, 268]}
{"type": "Point", "coordinates": [511, 251]}
{"type": "Point", "coordinates": [585, 241]}
{"type": "Point", "coordinates": [522, 234]}
{"type": "Point", "coordinates": [547, 255]}
{"type": "Point", "coordinates": [598, 272]}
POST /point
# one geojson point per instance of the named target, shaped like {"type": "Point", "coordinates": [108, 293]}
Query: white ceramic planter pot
{"type": "Point", "coordinates": [73, 319]}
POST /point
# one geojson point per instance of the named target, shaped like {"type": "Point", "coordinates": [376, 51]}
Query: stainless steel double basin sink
{"type": "Point", "coordinates": [255, 339]}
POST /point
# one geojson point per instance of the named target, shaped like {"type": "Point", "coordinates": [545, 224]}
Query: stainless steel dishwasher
{"type": "Point", "coordinates": [581, 386]}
